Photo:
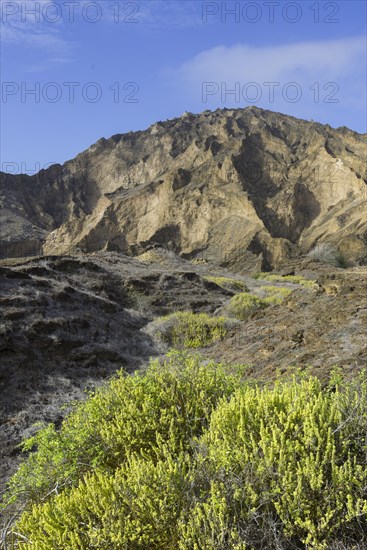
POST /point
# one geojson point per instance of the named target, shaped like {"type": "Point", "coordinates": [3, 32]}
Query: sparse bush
{"type": "Point", "coordinates": [327, 253]}
{"type": "Point", "coordinates": [185, 329]}
{"type": "Point", "coordinates": [275, 294]}
{"type": "Point", "coordinates": [188, 457]}
{"type": "Point", "coordinates": [294, 279]}
{"type": "Point", "coordinates": [243, 305]}
{"type": "Point", "coordinates": [228, 283]}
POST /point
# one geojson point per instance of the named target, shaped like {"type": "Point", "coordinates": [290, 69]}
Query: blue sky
{"type": "Point", "coordinates": [98, 68]}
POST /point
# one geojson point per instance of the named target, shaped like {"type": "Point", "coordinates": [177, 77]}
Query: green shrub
{"type": "Point", "coordinates": [228, 283]}
{"type": "Point", "coordinates": [275, 294]}
{"type": "Point", "coordinates": [295, 279]}
{"type": "Point", "coordinates": [185, 329]}
{"type": "Point", "coordinates": [136, 507]}
{"type": "Point", "coordinates": [195, 460]}
{"type": "Point", "coordinates": [140, 413]}
{"type": "Point", "coordinates": [244, 304]}
{"type": "Point", "coordinates": [290, 459]}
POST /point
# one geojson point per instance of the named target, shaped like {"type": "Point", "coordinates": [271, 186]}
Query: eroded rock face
{"type": "Point", "coordinates": [238, 187]}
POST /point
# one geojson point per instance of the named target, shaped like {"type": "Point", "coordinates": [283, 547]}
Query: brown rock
{"type": "Point", "coordinates": [244, 188]}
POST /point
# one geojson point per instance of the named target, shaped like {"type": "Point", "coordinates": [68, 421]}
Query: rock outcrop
{"type": "Point", "coordinates": [237, 187]}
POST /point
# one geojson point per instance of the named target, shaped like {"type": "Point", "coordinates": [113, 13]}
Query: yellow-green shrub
{"type": "Point", "coordinates": [185, 329]}
{"type": "Point", "coordinates": [294, 456]}
{"type": "Point", "coordinates": [228, 283]}
{"type": "Point", "coordinates": [142, 413]}
{"type": "Point", "coordinates": [275, 294]}
{"type": "Point", "coordinates": [136, 507]}
{"type": "Point", "coordinates": [195, 460]}
{"type": "Point", "coordinates": [295, 279]}
{"type": "Point", "coordinates": [244, 304]}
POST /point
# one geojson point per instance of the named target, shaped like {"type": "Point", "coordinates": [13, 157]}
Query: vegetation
{"type": "Point", "coordinates": [243, 305]}
{"type": "Point", "coordinates": [188, 456]}
{"type": "Point", "coordinates": [275, 294]}
{"type": "Point", "coordinates": [228, 283]}
{"type": "Point", "coordinates": [295, 279]}
{"type": "Point", "coordinates": [143, 412]}
{"type": "Point", "coordinates": [185, 329]}
{"type": "Point", "coordinates": [328, 253]}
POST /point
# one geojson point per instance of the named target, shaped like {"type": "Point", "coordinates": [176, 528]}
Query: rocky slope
{"type": "Point", "coordinates": [243, 188]}
{"type": "Point", "coordinates": [68, 323]}
{"type": "Point", "coordinates": [314, 329]}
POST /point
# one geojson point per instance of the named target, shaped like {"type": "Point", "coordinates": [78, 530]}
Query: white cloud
{"type": "Point", "coordinates": [300, 62]}
{"type": "Point", "coordinates": [24, 24]}
{"type": "Point", "coordinates": [323, 80]}
{"type": "Point", "coordinates": [34, 37]}
{"type": "Point", "coordinates": [169, 14]}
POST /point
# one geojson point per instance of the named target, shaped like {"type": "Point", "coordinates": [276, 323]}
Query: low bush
{"type": "Point", "coordinates": [243, 305]}
{"type": "Point", "coordinates": [294, 279]}
{"type": "Point", "coordinates": [185, 329]}
{"type": "Point", "coordinates": [187, 457]}
{"type": "Point", "coordinates": [275, 294]}
{"type": "Point", "coordinates": [228, 283]}
{"type": "Point", "coordinates": [328, 253]}
{"type": "Point", "coordinates": [141, 413]}
{"type": "Point", "coordinates": [284, 467]}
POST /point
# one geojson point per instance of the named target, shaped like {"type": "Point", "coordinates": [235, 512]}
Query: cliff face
{"type": "Point", "coordinates": [242, 188]}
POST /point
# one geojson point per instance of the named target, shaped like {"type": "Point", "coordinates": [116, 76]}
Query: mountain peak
{"type": "Point", "coordinates": [241, 187]}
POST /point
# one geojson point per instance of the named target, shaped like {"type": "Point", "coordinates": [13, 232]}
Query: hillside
{"type": "Point", "coordinates": [219, 261]}
{"type": "Point", "coordinates": [70, 322]}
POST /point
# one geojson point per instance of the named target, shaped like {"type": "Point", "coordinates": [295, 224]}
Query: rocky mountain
{"type": "Point", "coordinates": [245, 188]}
{"type": "Point", "coordinates": [175, 219]}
